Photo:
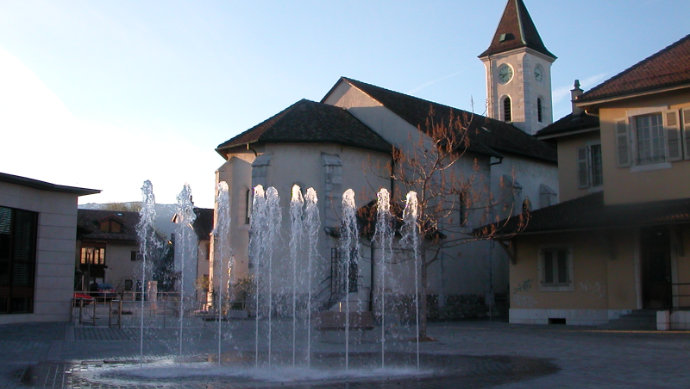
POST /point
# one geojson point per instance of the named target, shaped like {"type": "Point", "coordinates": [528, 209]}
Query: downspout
{"type": "Point", "coordinates": [371, 277]}
{"type": "Point", "coordinates": [492, 294]}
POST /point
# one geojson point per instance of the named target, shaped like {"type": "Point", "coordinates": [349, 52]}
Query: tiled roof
{"type": "Point", "coordinates": [516, 30]}
{"type": "Point", "coordinates": [310, 122]}
{"type": "Point", "coordinates": [42, 185]}
{"type": "Point", "coordinates": [589, 213]}
{"type": "Point", "coordinates": [486, 136]}
{"type": "Point", "coordinates": [569, 124]}
{"type": "Point", "coordinates": [667, 68]}
{"type": "Point", "coordinates": [89, 220]}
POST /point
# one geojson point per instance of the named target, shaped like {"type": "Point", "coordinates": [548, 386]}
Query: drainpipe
{"type": "Point", "coordinates": [371, 278]}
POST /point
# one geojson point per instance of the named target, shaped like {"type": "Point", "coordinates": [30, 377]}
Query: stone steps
{"type": "Point", "coordinates": [640, 319]}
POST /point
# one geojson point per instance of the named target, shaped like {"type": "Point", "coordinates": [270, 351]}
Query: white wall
{"type": "Point", "coordinates": [56, 245]}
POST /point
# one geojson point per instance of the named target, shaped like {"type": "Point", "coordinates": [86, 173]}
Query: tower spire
{"type": "Point", "coordinates": [516, 30]}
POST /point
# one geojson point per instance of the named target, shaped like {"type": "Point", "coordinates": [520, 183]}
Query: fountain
{"type": "Point", "coordinates": [410, 239]}
{"type": "Point", "coordinates": [222, 234]}
{"type": "Point", "coordinates": [270, 359]}
{"type": "Point", "coordinates": [349, 245]}
{"type": "Point", "coordinates": [146, 236]}
{"type": "Point", "coordinates": [186, 244]}
{"type": "Point", "coordinates": [297, 227]}
{"type": "Point", "coordinates": [312, 224]}
{"type": "Point", "coordinates": [384, 237]}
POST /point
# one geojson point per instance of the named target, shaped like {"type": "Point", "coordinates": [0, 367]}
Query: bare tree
{"type": "Point", "coordinates": [444, 170]}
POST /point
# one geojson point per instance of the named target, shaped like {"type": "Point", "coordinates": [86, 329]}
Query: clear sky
{"type": "Point", "coordinates": [107, 94]}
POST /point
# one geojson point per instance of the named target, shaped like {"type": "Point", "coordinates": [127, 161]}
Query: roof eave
{"type": "Point", "coordinates": [568, 133]}
{"type": "Point", "coordinates": [548, 56]}
{"type": "Point", "coordinates": [611, 99]}
{"type": "Point", "coordinates": [46, 186]}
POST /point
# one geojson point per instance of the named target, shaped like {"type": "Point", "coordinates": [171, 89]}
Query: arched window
{"type": "Point", "coordinates": [507, 117]}
{"type": "Point", "coordinates": [539, 110]}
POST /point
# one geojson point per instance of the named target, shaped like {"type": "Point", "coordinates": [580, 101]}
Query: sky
{"type": "Point", "coordinates": [108, 94]}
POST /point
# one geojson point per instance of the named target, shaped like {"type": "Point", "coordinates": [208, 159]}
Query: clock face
{"type": "Point", "coordinates": [538, 73]}
{"type": "Point", "coordinates": [505, 73]}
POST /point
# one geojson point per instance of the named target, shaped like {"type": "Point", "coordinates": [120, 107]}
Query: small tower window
{"type": "Point", "coordinates": [539, 109]}
{"type": "Point", "coordinates": [249, 202]}
{"type": "Point", "coordinates": [507, 117]}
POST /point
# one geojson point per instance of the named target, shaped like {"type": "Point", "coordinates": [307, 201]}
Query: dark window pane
{"type": "Point", "coordinates": [17, 259]}
{"type": "Point", "coordinates": [21, 305]}
{"type": "Point", "coordinates": [548, 267]}
{"type": "Point", "coordinates": [4, 273]}
{"type": "Point", "coordinates": [5, 221]}
{"type": "Point", "coordinates": [24, 236]}
{"type": "Point", "coordinates": [563, 267]}
{"type": "Point", "coordinates": [22, 274]}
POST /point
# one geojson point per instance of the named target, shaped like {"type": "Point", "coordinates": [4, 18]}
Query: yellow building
{"type": "Point", "coordinates": [619, 241]}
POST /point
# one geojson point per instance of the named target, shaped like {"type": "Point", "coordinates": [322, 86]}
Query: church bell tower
{"type": "Point", "coordinates": [518, 72]}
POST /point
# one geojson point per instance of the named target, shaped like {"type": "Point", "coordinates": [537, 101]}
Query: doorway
{"type": "Point", "coordinates": [655, 251]}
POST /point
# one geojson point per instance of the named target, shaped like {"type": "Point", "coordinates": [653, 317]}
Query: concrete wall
{"type": "Point", "coordinates": [641, 183]}
{"type": "Point", "coordinates": [567, 166]}
{"type": "Point", "coordinates": [362, 170]}
{"type": "Point", "coordinates": [604, 279]}
{"type": "Point", "coordinates": [56, 242]}
{"type": "Point", "coordinates": [118, 258]}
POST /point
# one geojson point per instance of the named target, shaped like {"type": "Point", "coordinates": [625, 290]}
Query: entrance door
{"type": "Point", "coordinates": [656, 268]}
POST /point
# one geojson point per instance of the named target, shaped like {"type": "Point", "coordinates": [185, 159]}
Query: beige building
{"type": "Point", "coordinates": [619, 243]}
{"type": "Point", "coordinates": [107, 250]}
{"type": "Point", "coordinates": [38, 225]}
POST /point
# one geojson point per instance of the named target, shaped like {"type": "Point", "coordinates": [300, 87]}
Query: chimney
{"type": "Point", "coordinates": [574, 94]}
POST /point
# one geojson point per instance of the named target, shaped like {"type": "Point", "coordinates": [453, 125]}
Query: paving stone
{"type": "Point", "coordinates": [583, 357]}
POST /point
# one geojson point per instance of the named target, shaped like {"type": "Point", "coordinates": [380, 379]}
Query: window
{"type": "Point", "coordinates": [507, 117]}
{"type": "Point", "coordinates": [92, 255]}
{"type": "Point", "coordinates": [17, 260]}
{"type": "Point", "coordinates": [649, 138]}
{"type": "Point", "coordinates": [686, 133]}
{"type": "Point", "coordinates": [110, 225]}
{"type": "Point", "coordinates": [539, 110]}
{"type": "Point", "coordinates": [556, 267]}
{"type": "Point", "coordinates": [589, 168]}
{"type": "Point", "coordinates": [547, 196]}
{"type": "Point", "coordinates": [248, 200]}
{"type": "Point", "coordinates": [463, 206]}
{"type": "Point", "coordinates": [340, 267]}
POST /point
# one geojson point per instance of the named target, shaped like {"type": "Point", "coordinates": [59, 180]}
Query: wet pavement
{"type": "Point", "coordinates": [464, 354]}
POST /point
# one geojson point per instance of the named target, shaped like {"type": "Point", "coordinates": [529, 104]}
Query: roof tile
{"type": "Point", "coordinates": [669, 67]}
{"type": "Point", "coordinates": [308, 121]}
{"type": "Point", "coordinates": [486, 136]}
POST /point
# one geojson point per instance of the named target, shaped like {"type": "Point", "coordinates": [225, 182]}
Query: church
{"type": "Point", "coordinates": [353, 138]}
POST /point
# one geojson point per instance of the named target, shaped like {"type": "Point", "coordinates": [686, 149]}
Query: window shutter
{"type": "Point", "coordinates": [673, 140]}
{"type": "Point", "coordinates": [622, 144]}
{"type": "Point", "coordinates": [582, 171]}
{"type": "Point", "coordinates": [686, 132]}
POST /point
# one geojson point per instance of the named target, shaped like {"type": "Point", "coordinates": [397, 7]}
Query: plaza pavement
{"type": "Point", "coordinates": [585, 357]}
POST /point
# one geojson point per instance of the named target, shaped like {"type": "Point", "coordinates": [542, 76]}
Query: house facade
{"type": "Point", "coordinates": [347, 141]}
{"type": "Point", "coordinates": [107, 250]}
{"type": "Point", "coordinates": [38, 223]}
{"type": "Point", "coordinates": [620, 240]}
